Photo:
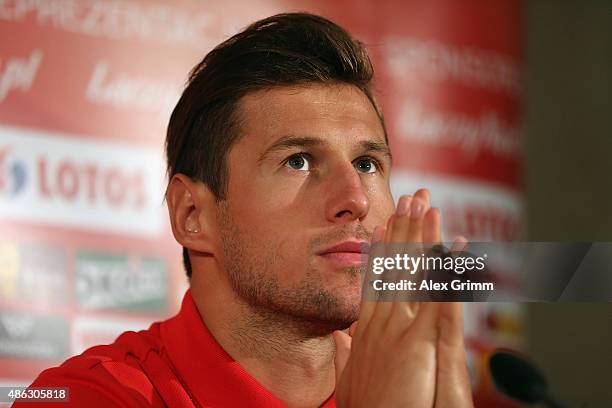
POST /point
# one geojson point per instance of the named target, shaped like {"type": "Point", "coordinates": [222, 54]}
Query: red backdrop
{"type": "Point", "coordinates": [86, 89]}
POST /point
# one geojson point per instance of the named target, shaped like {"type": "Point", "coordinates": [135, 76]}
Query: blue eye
{"type": "Point", "coordinates": [298, 162]}
{"type": "Point", "coordinates": [365, 165]}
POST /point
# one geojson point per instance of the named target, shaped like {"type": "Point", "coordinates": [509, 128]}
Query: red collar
{"type": "Point", "coordinates": [209, 374]}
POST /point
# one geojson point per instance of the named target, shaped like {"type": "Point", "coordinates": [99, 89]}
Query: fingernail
{"type": "Point", "coordinates": [459, 244]}
{"type": "Point", "coordinates": [460, 239]}
{"type": "Point", "coordinates": [416, 210]}
{"type": "Point", "coordinates": [403, 206]}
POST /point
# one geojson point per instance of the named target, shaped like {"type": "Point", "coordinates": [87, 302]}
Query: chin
{"type": "Point", "coordinates": [325, 327]}
{"type": "Point", "coordinates": [341, 316]}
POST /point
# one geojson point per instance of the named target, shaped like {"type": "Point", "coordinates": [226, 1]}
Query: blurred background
{"type": "Point", "coordinates": [500, 107]}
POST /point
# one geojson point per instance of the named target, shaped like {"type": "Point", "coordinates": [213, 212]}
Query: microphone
{"type": "Point", "coordinates": [521, 380]}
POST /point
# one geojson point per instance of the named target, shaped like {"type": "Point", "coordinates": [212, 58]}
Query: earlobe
{"type": "Point", "coordinates": [191, 209]}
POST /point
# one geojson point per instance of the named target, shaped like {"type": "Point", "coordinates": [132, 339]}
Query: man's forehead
{"type": "Point", "coordinates": [323, 114]}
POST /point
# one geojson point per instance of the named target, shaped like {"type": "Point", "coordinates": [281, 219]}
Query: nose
{"type": "Point", "coordinates": [347, 199]}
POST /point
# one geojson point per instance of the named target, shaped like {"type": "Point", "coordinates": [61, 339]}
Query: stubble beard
{"type": "Point", "coordinates": [307, 306]}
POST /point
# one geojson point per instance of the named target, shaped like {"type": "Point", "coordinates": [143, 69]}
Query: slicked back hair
{"type": "Point", "coordinates": [282, 50]}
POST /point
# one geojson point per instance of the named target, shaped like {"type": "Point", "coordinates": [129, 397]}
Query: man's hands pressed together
{"type": "Point", "coordinates": [399, 353]}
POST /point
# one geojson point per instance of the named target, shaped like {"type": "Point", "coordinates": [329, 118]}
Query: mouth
{"type": "Point", "coordinates": [348, 253]}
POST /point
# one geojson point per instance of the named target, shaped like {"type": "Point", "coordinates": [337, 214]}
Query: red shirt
{"type": "Point", "coordinates": [175, 363]}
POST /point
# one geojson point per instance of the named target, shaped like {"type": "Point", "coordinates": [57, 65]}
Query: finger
{"type": "Point", "coordinates": [425, 324]}
{"type": "Point", "coordinates": [396, 234]}
{"type": "Point", "coordinates": [450, 323]}
{"type": "Point", "coordinates": [389, 227]}
{"type": "Point", "coordinates": [452, 374]}
{"type": "Point", "coordinates": [432, 234]}
{"type": "Point", "coordinates": [376, 251]}
{"type": "Point", "coordinates": [406, 231]}
{"type": "Point", "coordinates": [384, 303]}
{"type": "Point", "coordinates": [398, 228]}
{"type": "Point", "coordinates": [353, 328]}
{"type": "Point", "coordinates": [382, 310]}
{"type": "Point", "coordinates": [424, 195]}
{"type": "Point", "coordinates": [418, 208]}
{"type": "Point", "coordinates": [369, 295]}
{"type": "Point", "coordinates": [403, 311]}
{"type": "Point", "coordinates": [400, 222]}
{"type": "Point", "coordinates": [343, 351]}
{"type": "Point", "coordinates": [416, 230]}
{"type": "Point", "coordinates": [460, 244]}
{"type": "Point", "coordinates": [414, 235]}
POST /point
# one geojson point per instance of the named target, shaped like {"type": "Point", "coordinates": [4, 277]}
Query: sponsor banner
{"type": "Point", "coordinates": [33, 335]}
{"type": "Point", "coordinates": [9, 271]}
{"type": "Point", "coordinates": [8, 382]}
{"type": "Point", "coordinates": [67, 182]}
{"type": "Point", "coordinates": [447, 76]}
{"type": "Point", "coordinates": [118, 67]}
{"type": "Point", "coordinates": [121, 282]}
{"type": "Point", "coordinates": [33, 274]}
{"type": "Point", "coordinates": [451, 86]}
{"type": "Point", "coordinates": [17, 73]}
{"type": "Point", "coordinates": [90, 331]}
{"type": "Point", "coordinates": [479, 211]}
{"type": "Point", "coordinates": [141, 21]}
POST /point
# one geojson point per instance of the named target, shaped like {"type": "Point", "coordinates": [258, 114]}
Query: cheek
{"type": "Point", "coordinates": [276, 240]}
{"type": "Point", "coordinates": [272, 223]}
{"type": "Point", "coordinates": [267, 192]}
{"type": "Point", "coordinates": [285, 200]}
{"type": "Point", "coordinates": [265, 211]}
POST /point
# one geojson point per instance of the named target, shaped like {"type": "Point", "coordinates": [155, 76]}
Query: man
{"type": "Point", "coordinates": [279, 170]}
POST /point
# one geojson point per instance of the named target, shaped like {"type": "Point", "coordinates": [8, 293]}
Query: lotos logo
{"type": "Point", "coordinates": [80, 183]}
{"type": "Point", "coordinates": [70, 180]}
{"type": "Point", "coordinates": [90, 183]}
{"type": "Point", "coordinates": [13, 174]}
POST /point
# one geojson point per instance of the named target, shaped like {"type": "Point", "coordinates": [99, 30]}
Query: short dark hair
{"type": "Point", "coordinates": [282, 50]}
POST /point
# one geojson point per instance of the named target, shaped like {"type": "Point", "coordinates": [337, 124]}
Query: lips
{"type": "Point", "coordinates": [349, 253]}
{"type": "Point", "coordinates": [359, 247]}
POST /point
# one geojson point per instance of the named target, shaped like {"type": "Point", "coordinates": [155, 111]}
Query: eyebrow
{"type": "Point", "coordinates": [291, 141]}
{"type": "Point", "coordinates": [378, 147]}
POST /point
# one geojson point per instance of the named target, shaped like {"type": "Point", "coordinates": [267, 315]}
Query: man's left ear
{"type": "Point", "coordinates": [192, 209]}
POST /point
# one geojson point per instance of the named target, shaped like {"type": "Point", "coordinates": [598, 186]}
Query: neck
{"type": "Point", "coordinates": [285, 355]}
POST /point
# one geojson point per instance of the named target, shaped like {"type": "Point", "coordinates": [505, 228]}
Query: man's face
{"type": "Point", "coordinates": [310, 172]}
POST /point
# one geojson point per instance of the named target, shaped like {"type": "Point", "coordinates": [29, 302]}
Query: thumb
{"type": "Point", "coordinates": [343, 351]}
{"type": "Point", "coordinates": [453, 378]}
{"type": "Point", "coordinates": [451, 325]}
